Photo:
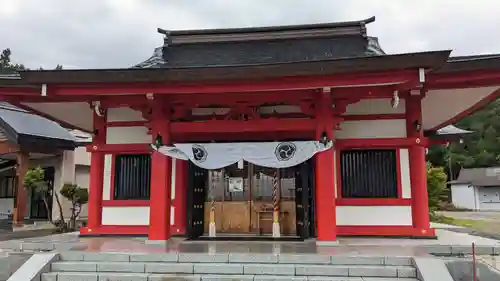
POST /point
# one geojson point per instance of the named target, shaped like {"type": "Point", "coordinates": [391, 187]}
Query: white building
{"type": "Point", "coordinates": [39, 142]}
{"type": "Point", "coordinates": [477, 189]}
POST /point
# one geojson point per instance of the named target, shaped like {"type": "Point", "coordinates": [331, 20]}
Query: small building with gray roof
{"type": "Point", "coordinates": [477, 189]}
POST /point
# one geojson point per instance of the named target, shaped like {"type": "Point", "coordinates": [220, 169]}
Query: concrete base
{"type": "Point", "coordinates": [156, 242]}
{"type": "Point", "coordinates": [211, 230]}
{"type": "Point", "coordinates": [327, 243]}
{"type": "Point", "coordinates": [276, 230]}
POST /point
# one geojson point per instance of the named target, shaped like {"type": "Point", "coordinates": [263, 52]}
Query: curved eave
{"type": "Point", "coordinates": [448, 132]}
{"type": "Point", "coordinates": [265, 28]}
{"type": "Point", "coordinates": [466, 72]}
{"type": "Point", "coordinates": [44, 144]}
{"type": "Point", "coordinates": [471, 63]}
{"type": "Point", "coordinates": [427, 60]}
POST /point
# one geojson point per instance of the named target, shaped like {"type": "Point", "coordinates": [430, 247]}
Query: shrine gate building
{"type": "Point", "coordinates": [199, 140]}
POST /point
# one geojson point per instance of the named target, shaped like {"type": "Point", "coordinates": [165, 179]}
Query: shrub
{"type": "Point", "coordinates": [436, 184]}
{"type": "Point", "coordinates": [35, 180]}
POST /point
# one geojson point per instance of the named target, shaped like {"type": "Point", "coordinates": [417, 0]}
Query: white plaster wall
{"type": "Point", "coordinates": [489, 198]}
{"type": "Point", "coordinates": [375, 106]}
{"type": "Point", "coordinates": [6, 207]}
{"type": "Point", "coordinates": [365, 129]}
{"type": "Point", "coordinates": [125, 215]}
{"type": "Point", "coordinates": [82, 157]}
{"type": "Point", "coordinates": [172, 191]}
{"type": "Point", "coordinates": [439, 106]}
{"type": "Point", "coordinates": [404, 163]}
{"type": "Point", "coordinates": [123, 114]}
{"type": "Point", "coordinates": [82, 179]}
{"type": "Point", "coordinates": [124, 135]}
{"type": "Point", "coordinates": [374, 215]}
{"type": "Point", "coordinates": [463, 196]}
{"type": "Point", "coordinates": [106, 188]}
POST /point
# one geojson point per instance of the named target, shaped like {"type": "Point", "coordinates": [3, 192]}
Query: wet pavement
{"type": "Point", "coordinates": [346, 246]}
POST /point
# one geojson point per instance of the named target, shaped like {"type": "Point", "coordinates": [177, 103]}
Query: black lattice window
{"type": "Point", "coordinates": [369, 173]}
{"type": "Point", "coordinates": [7, 187]}
{"type": "Point", "coordinates": [132, 177]}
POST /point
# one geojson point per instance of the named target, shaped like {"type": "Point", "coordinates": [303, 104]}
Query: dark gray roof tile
{"type": "Point", "coordinates": [480, 176]}
{"type": "Point", "coordinates": [23, 122]}
{"type": "Point", "coordinates": [264, 52]}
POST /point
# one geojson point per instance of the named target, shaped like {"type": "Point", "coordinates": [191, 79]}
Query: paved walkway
{"type": "Point", "coordinates": [351, 246]}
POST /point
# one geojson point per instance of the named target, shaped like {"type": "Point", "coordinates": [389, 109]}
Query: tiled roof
{"type": "Point", "coordinates": [263, 45]}
{"type": "Point", "coordinates": [16, 123]}
{"type": "Point", "coordinates": [479, 176]}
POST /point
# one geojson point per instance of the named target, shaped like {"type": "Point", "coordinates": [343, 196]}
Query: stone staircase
{"type": "Point", "coordinates": [89, 266]}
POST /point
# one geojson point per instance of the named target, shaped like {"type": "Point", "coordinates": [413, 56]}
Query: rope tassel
{"type": "Point", "coordinates": [211, 227]}
{"type": "Point", "coordinates": [276, 223]}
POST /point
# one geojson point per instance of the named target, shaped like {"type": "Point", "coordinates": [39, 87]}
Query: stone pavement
{"type": "Point", "coordinates": [448, 243]}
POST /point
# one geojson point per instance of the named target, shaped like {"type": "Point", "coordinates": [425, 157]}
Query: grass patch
{"type": "Point", "coordinates": [475, 224]}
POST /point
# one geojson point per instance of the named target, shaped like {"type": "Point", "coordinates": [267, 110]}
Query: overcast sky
{"type": "Point", "coordinates": [121, 33]}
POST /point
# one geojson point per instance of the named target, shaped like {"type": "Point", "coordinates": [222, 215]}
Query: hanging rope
{"type": "Point", "coordinates": [212, 198]}
{"type": "Point", "coordinates": [275, 197]}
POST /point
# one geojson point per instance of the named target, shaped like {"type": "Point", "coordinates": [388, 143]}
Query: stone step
{"type": "Point", "coordinates": [235, 258]}
{"type": "Point", "coordinates": [93, 276]}
{"type": "Point", "coordinates": [237, 269]}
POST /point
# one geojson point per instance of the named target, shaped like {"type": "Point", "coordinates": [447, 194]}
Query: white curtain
{"type": "Point", "coordinates": [267, 154]}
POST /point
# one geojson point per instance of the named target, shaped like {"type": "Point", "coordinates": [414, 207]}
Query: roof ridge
{"type": "Point", "coordinates": [266, 28]}
{"type": "Point", "coordinates": [266, 32]}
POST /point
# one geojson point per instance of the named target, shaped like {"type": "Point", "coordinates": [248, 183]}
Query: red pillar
{"type": "Point", "coordinates": [326, 221]}
{"type": "Point", "coordinates": [418, 168]}
{"type": "Point", "coordinates": [160, 200]}
{"type": "Point", "coordinates": [161, 178]}
{"type": "Point", "coordinates": [95, 191]}
{"type": "Point", "coordinates": [96, 176]}
{"type": "Point", "coordinates": [180, 196]}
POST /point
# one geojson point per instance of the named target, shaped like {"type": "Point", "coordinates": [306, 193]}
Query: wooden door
{"type": "Point", "coordinates": [232, 210]}
{"type": "Point", "coordinates": [195, 198]}
{"type": "Point", "coordinates": [302, 200]}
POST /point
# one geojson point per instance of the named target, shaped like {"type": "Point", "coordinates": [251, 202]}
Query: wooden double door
{"type": "Point", "coordinates": [242, 200]}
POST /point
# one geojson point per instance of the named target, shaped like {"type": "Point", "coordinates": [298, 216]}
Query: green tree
{"type": "Point", "coordinates": [78, 197]}
{"type": "Point", "coordinates": [34, 180]}
{"type": "Point", "coordinates": [479, 149]}
{"type": "Point", "coordinates": [7, 67]}
{"type": "Point", "coordinates": [436, 185]}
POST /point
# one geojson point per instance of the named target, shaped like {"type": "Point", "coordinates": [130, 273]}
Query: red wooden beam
{"type": "Point", "coordinates": [458, 77]}
{"type": "Point", "coordinates": [468, 79]}
{"type": "Point", "coordinates": [19, 91]}
{"type": "Point", "coordinates": [242, 137]}
{"type": "Point", "coordinates": [234, 126]}
{"type": "Point", "coordinates": [284, 83]}
{"type": "Point", "coordinates": [38, 98]}
{"type": "Point", "coordinates": [120, 148]}
{"type": "Point", "coordinates": [380, 143]}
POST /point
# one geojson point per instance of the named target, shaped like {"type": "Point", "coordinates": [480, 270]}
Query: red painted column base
{"type": "Point", "coordinates": [95, 191]}
{"type": "Point", "coordinates": [419, 195]}
{"type": "Point", "coordinates": [325, 197]}
{"type": "Point", "coordinates": [160, 197]}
